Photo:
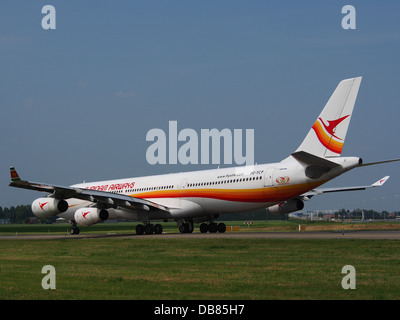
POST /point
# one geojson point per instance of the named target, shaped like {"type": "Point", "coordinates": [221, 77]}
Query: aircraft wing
{"type": "Point", "coordinates": [106, 198]}
{"type": "Point", "coordinates": [319, 191]}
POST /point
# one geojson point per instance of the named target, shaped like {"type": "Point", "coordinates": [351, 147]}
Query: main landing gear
{"type": "Point", "coordinates": [213, 227]}
{"type": "Point", "coordinates": [184, 227]}
{"type": "Point", "coordinates": [149, 229]}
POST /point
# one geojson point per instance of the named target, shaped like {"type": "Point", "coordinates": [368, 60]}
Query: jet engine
{"type": "Point", "coordinates": [285, 207]}
{"type": "Point", "coordinates": [88, 216]}
{"type": "Point", "coordinates": [48, 207]}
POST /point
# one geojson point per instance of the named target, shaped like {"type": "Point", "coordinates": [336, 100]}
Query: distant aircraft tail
{"type": "Point", "coordinates": [326, 137]}
{"type": "Point", "coordinates": [14, 175]}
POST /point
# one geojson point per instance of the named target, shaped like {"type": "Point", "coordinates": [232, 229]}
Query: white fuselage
{"type": "Point", "coordinates": [211, 192]}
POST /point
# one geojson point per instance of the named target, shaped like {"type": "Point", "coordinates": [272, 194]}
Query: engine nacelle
{"type": "Point", "coordinates": [48, 207]}
{"type": "Point", "coordinates": [88, 216]}
{"type": "Point", "coordinates": [285, 207]}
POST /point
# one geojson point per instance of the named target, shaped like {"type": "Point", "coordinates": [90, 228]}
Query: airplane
{"type": "Point", "coordinates": [201, 196]}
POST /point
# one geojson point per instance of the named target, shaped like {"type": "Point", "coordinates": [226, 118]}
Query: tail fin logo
{"type": "Point", "coordinates": [326, 133]}
{"type": "Point", "coordinates": [14, 175]}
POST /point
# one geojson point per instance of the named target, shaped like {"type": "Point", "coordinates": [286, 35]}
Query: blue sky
{"type": "Point", "coordinates": [76, 102]}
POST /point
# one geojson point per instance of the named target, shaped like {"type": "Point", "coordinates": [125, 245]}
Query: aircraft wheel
{"type": "Point", "coordinates": [148, 229]}
{"type": "Point", "coordinates": [204, 228]}
{"type": "Point", "coordinates": [188, 227]}
{"type": "Point", "coordinates": [140, 229]}
{"type": "Point", "coordinates": [213, 227]}
{"type": "Point", "coordinates": [221, 227]}
{"type": "Point", "coordinates": [158, 229]}
{"type": "Point", "coordinates": [74, 230]}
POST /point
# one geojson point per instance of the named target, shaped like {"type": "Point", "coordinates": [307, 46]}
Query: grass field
{"type": "Point", "coordinates": [182, 268]}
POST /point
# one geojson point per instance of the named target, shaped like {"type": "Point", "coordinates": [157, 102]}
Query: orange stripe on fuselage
{"type": "Point", "coordinates": [270, 194]}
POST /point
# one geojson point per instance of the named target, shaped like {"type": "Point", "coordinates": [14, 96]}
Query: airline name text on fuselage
{"type": "Point", "coordinates": [113, 187]}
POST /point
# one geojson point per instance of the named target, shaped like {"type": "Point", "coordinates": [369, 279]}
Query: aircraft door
{"type": "Point", "coordinates": [268, 178]}
{"type": "Point", "coordinates": [183, 187]}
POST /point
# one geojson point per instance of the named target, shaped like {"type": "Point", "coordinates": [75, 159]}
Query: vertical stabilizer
{"type": "Point", "coordinates": [14, 175]}
{"type": "Point", "coordinates": [327, 135]}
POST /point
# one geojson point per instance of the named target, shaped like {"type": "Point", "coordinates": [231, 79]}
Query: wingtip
{"type": "Point", "coordinates": [380, 182]}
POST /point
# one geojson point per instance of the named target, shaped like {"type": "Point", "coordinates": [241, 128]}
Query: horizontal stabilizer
{"type": "Point", "coordinates": [318, 191]}
{"type": "Point", "coordinates": [379, 162]}
{"type": "Point", "coordinates": [315, 166]}
{"type": "Point", "coordinates": [312, 160]}
{"type": "Point", "coordinates": [380, 182]}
